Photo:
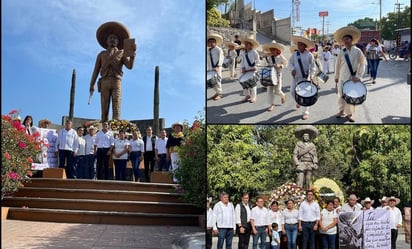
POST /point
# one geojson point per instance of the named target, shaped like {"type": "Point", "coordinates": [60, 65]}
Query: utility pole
{"type": "Point", "coordinates": [380, 14]}
{"type": "Point", "coordinates": [398, 25]}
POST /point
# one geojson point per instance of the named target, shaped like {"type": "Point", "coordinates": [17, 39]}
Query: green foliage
{"type": "Point", "coordinates": [365, 23]}
{"type": "Point", "coordinates": [390, 23]}
{"type": "Point", "coordinates": [214, 18]}
{"type": "Point", "coordinates": [214, 3]}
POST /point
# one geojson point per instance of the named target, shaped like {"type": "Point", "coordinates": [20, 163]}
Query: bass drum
{"type": "Point", "coordinates": [248, 80]}
{"type": "Point", "coordinates": [306, 93]}
{"type": "Point", "coordinates": [354, 93]}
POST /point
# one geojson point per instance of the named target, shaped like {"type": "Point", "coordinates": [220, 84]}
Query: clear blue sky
{"type": "Point", "coordinates": [43, 41]}
{"type": "Point", "coordinates": [340, 12]}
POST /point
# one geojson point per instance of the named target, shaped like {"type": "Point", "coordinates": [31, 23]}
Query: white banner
{"type": "Point", "coordinates": [47, 158]}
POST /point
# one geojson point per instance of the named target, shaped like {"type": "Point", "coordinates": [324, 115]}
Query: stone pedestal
{"type": "Point", "coordinates": [54, 173]}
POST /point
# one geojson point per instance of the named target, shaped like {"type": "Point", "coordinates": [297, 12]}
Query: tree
{"type": "Point", "coordinates": [214, 3]}
{"type": "Point", "coordinates": [390, 23]}
{"type": "Point", "coordinates": [214, 18]}
{"type": "Point", "coordinates": [365, 23]}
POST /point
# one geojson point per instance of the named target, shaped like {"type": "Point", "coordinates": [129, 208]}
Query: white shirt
{"type": "Point", "coordinates": [209, 216]}
{"type": "Point", "coordinates": [357, 60]}
{"type": "Point", "coordinates": [160, 145]}
{"type": "Point", "coordinates": [149, 146]}
{"type": "Point", "coordinates": [119, 146]}
{"type": "Point", "coordinates": [395, 217]}
{"type": "Point", "coordinates": [253, 58]}
{"type": "Point", "coordinates": [81, 148]}
{"type": "Point", "coordinates": [136, 145]}
{"type": "Point", "coordinates": [104, 140]}
{"type": "Point", "coordinates": [327, 219]}
{"type": "Point", "coordinates": [280, 59]}
{"type": "Point", "coordinates": [90, 141]}
{"type": "Point", "coordinates": [259, 216]}
{"type": "Point", "coordinates": [217, 56]}
{"type": "Point", "coordinates": [356, 208]}
{"type": "Point", "coordinates": [276, 217]}
{"type": "Point", "coordinates": [290, 217]}
{"type": "Point", "coordinates": [309, 212]}
{"type": "Point", "coordinates": [224, 216]}
{"type": "Point", "coordinates": [237, 212]}
{"type": "Point", "coordinates": [66, 140]}
{"type": "Point", "coordinates": [275, 236]}
{"type": "Point", "coordinates": [308, 64]}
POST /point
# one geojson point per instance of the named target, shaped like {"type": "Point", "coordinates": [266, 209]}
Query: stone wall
{"type": "Point", "coordinates": [282, 30]}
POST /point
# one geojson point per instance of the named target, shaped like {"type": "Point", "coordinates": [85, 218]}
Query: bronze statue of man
{"type": "Point", "coordinates": [120, 50]}
{"type": "Point", "coordinates": [304, 155]}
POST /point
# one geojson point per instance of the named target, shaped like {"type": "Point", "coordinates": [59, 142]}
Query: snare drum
{"type": "Point", "coordinates": [306, 93]}
{"type": "Point", "coordinates": [322, 77]}
{"type": "Point", "coordinates": [212, 78]}
{"type": "Point", "coordinates": [227, 62]}
{"type": "Point", "coordinates": [248, 80]}
{"type": "Point", "coordinates": [354, 93]}
{"type": "Point", "coordinates": [266, 78]}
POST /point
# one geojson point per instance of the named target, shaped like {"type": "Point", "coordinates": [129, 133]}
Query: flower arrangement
{"type": "Point", "coordinates": [191, 173]}
{"type": "Point", "coordinates": [18, 150]}
{"type": "Point", "coordinates": [292, 191]}
{"type": "Point", "coordinates": [125, 125]}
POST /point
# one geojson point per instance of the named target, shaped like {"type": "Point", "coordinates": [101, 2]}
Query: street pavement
{"type": "Point", "coordinates": [387, 101]}
{"type": "Point", "coordinates": [16, 234]}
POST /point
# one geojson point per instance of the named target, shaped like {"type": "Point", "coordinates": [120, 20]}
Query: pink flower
{"type": "Point", "coordinates": [29, 159]}
{"type": "Point", "coordinates": [22, 145]}
{"type": "Point", "coordinates": [13, 112]}
{"type": "Point", "coordinates": [7, 155]}
{"type": "Point", "coordinates": [13, 175]}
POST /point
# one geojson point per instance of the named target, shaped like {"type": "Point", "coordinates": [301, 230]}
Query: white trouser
{"type": "Point", "coordinates": [272, 90]}
{"type": "Point", "coordinates": [174, 158]}
{"type": "Point", "coordinates": [252, 92]}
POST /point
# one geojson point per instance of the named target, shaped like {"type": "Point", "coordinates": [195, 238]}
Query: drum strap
{"type": "Point", "coordinates": [248, 61]}
{"type": "Point", "coordinates": [304, 75]}
{"type": "Point", "coordinates": [348, 62]}
{"type": "Point", "coordinates": [211, 59]}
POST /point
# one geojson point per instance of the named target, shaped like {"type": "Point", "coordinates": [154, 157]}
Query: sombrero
{"type": "Point", "coordinates": [177, 123]}
{"type": "Point", "coordinates": [43, 122]}
{"type": "Point", "coordinates": [367, 199]}
{"type": "Point", "coordinates": [266, 47]}
{"type": "Point", "coordinates": [397, 200]}
{"type": "Point", "coordinates": [384, 198]}
{"type": "Point", "coordinates": [348, 30]}
{"type": "Point", "coordinates": [91, 127]}
{"type": "Point", "coordinates": [311, 130]}
{"type": "Point", "coordinates": [227, 44]}
{"type": "Point", "coordinates": [215, 36]}
{"type": "Point", "coordinates": [293, 48]}
{"type": "Point", "coordinates": [112, 28]}
{"type": "Point", "coordinates": [307, 42]}
{"type": "Point", "coordinates": [326, 47]}
{"type": "Point", "coordinates": [250, 39]}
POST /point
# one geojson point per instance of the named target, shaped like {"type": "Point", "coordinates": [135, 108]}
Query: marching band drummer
{"type": "Point", "coordinates": [249, 62]}
{"type": "Point", "coordinates": [308, 64]}
{"type": "Point", "coordinates": [215, 59]}
{"type": "Point", "coordinates": [231, 55]}
{"type": "Point", "coordinates": [278, 61]}
{"type": "Point", "coordinates": [348, 36]}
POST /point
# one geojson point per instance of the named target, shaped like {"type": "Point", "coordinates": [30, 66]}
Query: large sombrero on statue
{"type": "Point", "coordinates": [215, 36]}
{"type": "Point", "coordinates": [266, 47]}
{"type": "Point", "coordinates": [250, 39]}
{"type": "Point", "coordinates": [311, 130]}
{"type": "Point", "coordinates": [348, 30]}
{"type": "Point", "coordinates": [115, 28]}
{"type": "Point", "coordinates": [307, 42]}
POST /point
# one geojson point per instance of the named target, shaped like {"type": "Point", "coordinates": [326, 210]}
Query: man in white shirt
{"type": "Point", "coordinates": [395, 219]}
{"type": "Point", "coordinates": [352, 205]}
{"type": "Point", "coordinates": [161, 152]}
{"type": "Point", "coordinates": [242, 214]}
{"type": "Point", "coordinates": [102, 148]}
{"type": "Point", "coordinates": [149, 152]}
{"type": "Point", "coordinates": [90, 157]}
{"type": "Point", "coordinates": [308, 220]}
{"type": "Point", "coordinates": [224, 223]}
{"type": "Point", "coordinates": [348, 36]}
{"type": "Point", "coordinates": [66, 145]}
{"type": "Point", "coordinates": [215, 59]}
{"type": "Point", "coordinates": [80, 161]}
{"type": "Point", "coordinates": [260, 223]}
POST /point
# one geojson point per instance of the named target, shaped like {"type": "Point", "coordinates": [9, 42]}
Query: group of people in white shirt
{"type": "Point", "coordinates": [225, 220]}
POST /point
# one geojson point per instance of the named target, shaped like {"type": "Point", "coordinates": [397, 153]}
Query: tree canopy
{"type": "Point", "coordinates": [370, 161]}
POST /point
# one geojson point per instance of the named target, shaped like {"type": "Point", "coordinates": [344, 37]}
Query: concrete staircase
{"type": "Point", "coordinates": [101, 202]}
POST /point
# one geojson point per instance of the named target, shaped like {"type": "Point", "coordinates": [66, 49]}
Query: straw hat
{"type": "Point", "coordinates": [112, 28]}
{"type": "Point", "coordinates": [215, 36]}
{"type": "Point", "coordinates": [250, 39]}
{"type": "Point", "coordinates": [43, 122]}
{"type": "Point", "coordinates": [326, 47]}
{"type": "Point", "coordinates": [266, 47]}
{"type": "Point", "coordinates": [367, 199]}
{"type": "Point", "coordinates": [293, 48]}
{"type": "Point", "coordinates": [384, 198]}
{"type": "Point", "coordinates": [227, 44]}
{"type": "Point", "coordinates": [177, 124]}
{"type": "Point", "coordinates": [311, 130]}
{"type": "Point", "coordinates": [397, 200]}
{"type": "Point", "coordinates": [307, 42]}
{"type": "Point", "coordinates": [348, 30]}
{"type": "Point", "coordinates": [91, 127]}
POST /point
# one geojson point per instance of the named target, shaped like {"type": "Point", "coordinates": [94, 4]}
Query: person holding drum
{"type": "Point", "coordinates": [276, 61]}
{"type": "Point", "coordinates": [215, 59]}
{"type": "Point", "coordinates": [303, 67]}
{"type": "Point", "coordinates": [350, 66]}
{"type": "Point", "coordinates": [231, 58]}
{"type": "Point", "coordinates": [248, 65]}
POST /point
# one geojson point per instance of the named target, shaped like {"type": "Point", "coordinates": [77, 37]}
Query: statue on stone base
{"type": "Point", "coordinates": [120, 50]}
{"type": "Point", "coordinates": [304, 155]}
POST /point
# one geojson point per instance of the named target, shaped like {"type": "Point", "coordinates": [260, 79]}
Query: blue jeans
{"type": "Point", "coordinates": [261, 233]}
{"type": "Point", "coordinates": [120, 169]}
{"type": "Point", "coordinates": [373, 65]}
{"type": "Point", "coordinates": [225, 234]}
{"type": "Point", "coordinates": [328, 241]}
{"type": "Point", "coordinates": [292, 235]}
{"type": "Point", "coordinates": [308, 235]}
{"type": "Point", "coordinates": [89, 168]}
{"type": "Point", "coordinates": [135, 159]}
{"type": "Point", "coordinates": [274, 247]}
{"type": "Point", "coordinates": [80, 165]}
{"type": "Point", "coordinates": [70, 167]}
{"type": "Point", "coordinates": [162, 163]}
